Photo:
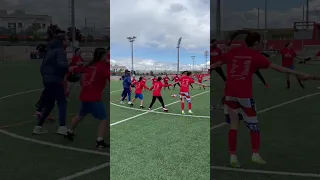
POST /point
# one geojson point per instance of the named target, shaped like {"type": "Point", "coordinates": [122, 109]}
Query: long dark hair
{"type": "Point", "coordinates": [159, 78]}
{"type": "Point", "coordinates": [140, 78]}
{"type": "Point", "coordinates": [98, 53]}
{"type": "Point", "coordinates": [250, 39]}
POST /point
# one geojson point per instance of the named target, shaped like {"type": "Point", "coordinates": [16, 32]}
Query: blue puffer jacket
{"type": "Point", "coordinates": [55, 64]}
{"type": "Point", "coordinates": [126, 81]}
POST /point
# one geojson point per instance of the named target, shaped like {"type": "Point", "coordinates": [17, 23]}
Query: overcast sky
{"type": "Point", "coordinates": [158, 24]}
{"type": "Point", "coordinates": [96, 11]}
{"type": "Point", "coordinates": [280, 14]}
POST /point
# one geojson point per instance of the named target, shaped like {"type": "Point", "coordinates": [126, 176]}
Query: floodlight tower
{"type": "Point", "coordinates": [193, 57]}
{"type": "Point", "coordinates": [178, 51]}
{"type": "Point", "coordinates": [131, 40]}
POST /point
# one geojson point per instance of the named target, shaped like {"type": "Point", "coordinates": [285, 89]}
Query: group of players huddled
{"type": "Point", "coordinates": [184, 81]}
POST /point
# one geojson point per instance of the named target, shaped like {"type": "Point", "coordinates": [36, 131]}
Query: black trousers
{"type": "Point", "coordinates": [154, 100]}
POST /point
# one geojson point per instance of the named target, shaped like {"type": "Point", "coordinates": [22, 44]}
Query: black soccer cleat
{"type": "Point", "coordinates": [101, 145]}
{"type": "Point", "coordinates": [141, 107]}
{"type": "Point", "coordinates": [69, 136]}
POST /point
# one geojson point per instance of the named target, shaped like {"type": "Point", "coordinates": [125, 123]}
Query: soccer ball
{"type": "Point", "coordinates": [174, 95]}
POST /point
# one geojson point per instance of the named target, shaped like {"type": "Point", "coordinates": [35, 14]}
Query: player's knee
{"type": "Point", "coordinates": [254, 127]}
{"type": "Point", "coordinates": [227, 116]}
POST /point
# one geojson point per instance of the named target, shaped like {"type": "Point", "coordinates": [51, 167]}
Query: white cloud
{"type": "Point", "coordinates": [159, 23]}
{"type": "Point", "coordinates": [152, 65]}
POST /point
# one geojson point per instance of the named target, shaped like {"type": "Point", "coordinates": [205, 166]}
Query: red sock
{"type": "Point", "coordinates": [182, 106]}
{"type": "Point", "coordinates": [189, 106]}
{"type": "Point", "coordinates": [255, 141]}
{"type": "Point", "coordinates": [233, 141]}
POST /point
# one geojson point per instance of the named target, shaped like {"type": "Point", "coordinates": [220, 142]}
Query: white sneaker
{"type": "Point", "coordinates": [129, 102]}
{"type": "Point", "coordinates": [165, 109]}
{"type": "Point", "coordinates": [39, 130]}
{"type": "Point", "coordinates": [190, 112]}
{"type": "Point", "coordinates": [234, 161]}
{"type": "Point", "coordinates": [257, 159]}
{"type": "Point", "coordinates": [62, 130]}
{"type": "Point", "coordinates": [121, 102]}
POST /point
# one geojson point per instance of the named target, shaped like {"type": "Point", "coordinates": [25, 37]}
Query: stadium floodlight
{"type": "Point", "coordinates": [131, 40]}
{"type": "Point", "coordinates": [193, 57]}
{"type": "Point", "coordinates": [206, 59]}
{"type": "Point", "coordinates": [178, 51]}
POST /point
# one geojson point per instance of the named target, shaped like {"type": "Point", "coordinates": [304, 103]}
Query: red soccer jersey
{"type": "Point", "coordinates": [166, 80]}
{"type": "Point", "coordinates": [215, 55]}
{"type": "Point", "coordinates": [176, 79]}
{"type": "Point", "coordinates": [185, 82]}
{"type": "Point", "coordinates": [140, 86]}
{"type": "Point", "coordinates": [157, 86]}
{"type": "Point", "coordinates": [242, 62]}
{"type": "Point", "coordinates": [287, 57]}
{"type": "Point", "coordinates": [74, 61]}
{"type": "Point", "coordinates": [133, 81]}
{"type": "Point", "coordinates": [200, 79]}
{"type": "Point", "coordinates": [154, 80]}
{"type": "Point", "coordinates": [93, 82]}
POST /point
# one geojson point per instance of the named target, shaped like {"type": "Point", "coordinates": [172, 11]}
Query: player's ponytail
{"type": "Point", "coordinates": [251, 38]}
{"type": "Point", "coordinates": [140, 78]}
{"type": "Point", "coordinates": [98, 53]}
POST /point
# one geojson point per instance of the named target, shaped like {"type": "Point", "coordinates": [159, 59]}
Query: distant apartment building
{"type": "Point", "coordinates": [19, 20]}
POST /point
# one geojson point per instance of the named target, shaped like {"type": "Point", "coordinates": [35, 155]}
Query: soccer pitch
{"type": "Point", "coordinates": [158, 145]}
{"type": "Point", "coordinates": [50, 156]}
{"type": "Point", "coordinates": [289, 124]}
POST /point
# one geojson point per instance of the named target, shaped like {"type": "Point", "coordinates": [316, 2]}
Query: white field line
{"type": "Point", "coordinates": [266, 172]}
{"type": "Point", "coordinates": [127, 119]}
{"type": "Point", "coordinates": [157, 112]}
{"type": "Point", "coordinates": [16, 136]}
{"type": "Point", "coordinates": [273, 107]}
{"type": "Point", "coordinates": [85, 172]}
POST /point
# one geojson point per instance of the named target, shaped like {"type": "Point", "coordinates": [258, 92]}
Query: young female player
{"type": "Point", "coordinates": [185, 81]}
{"type": "Point", "coordinates": [241, 64]}
{"type": "Point", "coordinates": [216, 53]}
{"type": "Point", "coordinates": [157, 87]}
{"type": "Point", "coordinates": [176, 81]}
{"type": "Point", "coordinates": [71, 77]}
{"type": "Point", "coordinates": [140, 85]}
{"type": "Point", "coordinates": [288, 54]}
{"type": "Point", "coordinates": [95, 77]}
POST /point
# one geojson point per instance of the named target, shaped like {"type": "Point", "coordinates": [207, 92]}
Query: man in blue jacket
{"type": "Point", "coordinates": [53, 70]}
{"type": "Point", "coordinates": [126, 87]}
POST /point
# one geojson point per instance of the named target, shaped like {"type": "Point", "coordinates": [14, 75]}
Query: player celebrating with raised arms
{"type": "Point", "coordinates": [241, 64]}
{"type": "Point", "coordinates": [157, 87]}
{"type": "Point", "coordinates": [95, 78]}
{"type": "Point", "coordinates": [185, 81]}
{"type": "Point", "coordinates": [140, 85]}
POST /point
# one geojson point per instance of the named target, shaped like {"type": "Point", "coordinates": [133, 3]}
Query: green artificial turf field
{"type": "Point", "coordinates": [289, 125]}
{"type": "Point", "coordinates": [156, 145]}
{"type": "Point", "coordinates": [50, 156]}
